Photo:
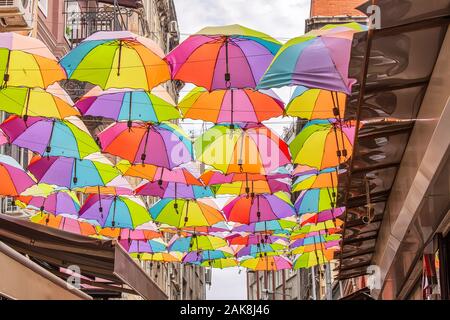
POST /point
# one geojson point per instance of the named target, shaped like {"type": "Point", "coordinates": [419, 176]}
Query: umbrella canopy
{"type": "Point", "coordinates": [205, 255]}
{"type": "Point", "coordinates": [323, 144]}
{"type": "Point", "coordinates": [65, 224]}
{"type": "Point", "coordinates": [159, 256]}
{"type": "Point", "coordinates": [127, 105]}
{"type": "Point", "coordinates": [196, 243]}
{"type": "Point", "coordinates": [182, 213]}
{"type": "Point", "coordinates": [320, 241]}
{"type": "Point", "coordinates": [326, 178]}
{"type": "Point", "coordinates": [254, 239]}
{"type": "Point", "coordinates": [329, 226]}
{"type": "Point", "coordinates": [266, 226]}
{"type": "Point", "coordinates": [71, 173]}
{"type": "Point", "coordinates": [115, 211]}
{"type": "Point", "coordinates": [138, 143]}
{"type": "Point", "coordinates": [269, 263]}
{"type": "Point", "coordinates": [130, 234]}
{"type": "Point", "coordinates": [310, 259]}
{"type": "Point", "coordinates": [119, 186]}
{"type": "Point", "coordinates": [140, 246]}
{"type": "Point", "coordinates": [164, 189]}
{"type": "Point", "coordinates": [314, 218]}
{"type": "Point", "coordinates": [34, 102]}
{"type": "Point", "coordinates": [250, 148]}
{"type": "Point", "coordinates": [265, 248]}
{"type": "Point", "coordinates": [26, 61]}
{"type": "Point", "coordinates": [49, 137]}
{"type": "Point", "coordinates": [259, 208]}
{"type": "Point", "coordinates": [60, 202]}
{"type": "Point", "coordinates": [159, 174]}
{"type": "Point", "coordinates": [240, 183]}
{"type": "Point", "coordinates": [220, 263]}
{"type": "Point", "coordinates": [233, 105]}
{"type": "Point", "coordinates": [223, 57]}
{"type": "Point", "coordinates": [316, 200]}
{"type": "Point", "coordinates": [315, 60]}
{"type": "Point", "coordinates": [14, 179]}
{"type": "Point", "coordinates": [3, 138]}
{"type": "Point", "coordinates": [310, 104]}
{"type": "Point", "coordinates": [118, 59]}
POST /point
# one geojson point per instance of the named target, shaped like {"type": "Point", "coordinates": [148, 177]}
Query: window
{"type": "Point", "coordinates": [43, 5]}
{"type": "Point", "coordinates": [72, 27]}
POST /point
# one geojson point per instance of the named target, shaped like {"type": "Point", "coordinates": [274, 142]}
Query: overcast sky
{"type": "Point", "coordinates": [282, 19]}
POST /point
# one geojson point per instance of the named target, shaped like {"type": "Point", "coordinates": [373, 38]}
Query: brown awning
{"type": "Point", "coordinates": [104, 264]}
{"type": "Point", "coordinates": [393, 66]}
{"type": "Point", "coordinates": [19, 272]}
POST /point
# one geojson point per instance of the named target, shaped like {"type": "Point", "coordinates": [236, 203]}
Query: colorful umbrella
{"type": "Point", "coordinates": [223, 57]}
{"type": "Point", "coordinates": [49, 137]}
{"type": "Point", "coordinates": [240, 183]}
{"type": "Point", "coordinates": [329, 226]}
{"type": "Point", "coordinates": [314, 218]}
{"type": "Point", "coordinates": [259, 208]}
{"type": "Point", "coordinates": [310, 104]}
{"type": "Point", "coordinates": [254, 239]}
{"type": "Point", "coordinates": [65, 224]}
{"type": "Point", "coordinates": [205, 255]}
{"type": "Point", "coordinates": [323, 144]}
{"type": "Point", "coordinates": [14, 179]}
{"type": "Point", "coordinates": [196, 243]}
{"type": "Point", "coordinates": [250, 148]}
{"type": "Point", "coordinates": [164, 189]}
{"type": "Point", "coordinates": [319, 240]}
{"type": "Point", "coordinates": [140, 246]}
{"type": "Point", "coordinates": [119, 186]}
{"type": "Point", "coordinates": [159, 174]}
{"type": "Point", "coordinates": [71, 173]}
{"type": "Point", "coordinates": [220, 263]}
{"type": "Point", "coordinates": [266, 226]}
{"type": "Point", "coordinates": [326, 178]}
{"type": "Point", "coordinates": [186, 213]}
{"type": "Point", "coordinates": [26, 61]}
{"type": "Point", "coordinates": [267, 263]}
{"type": "Point", "coordinates": [60, 202]}
{"type": "Point", "coordinates": [234, 105]}
{"type": "Point", "coordinates": [127, 105]}
{"type": "Point", "coordinates": [315, 60]}
{"type": "Point", "coordinates": [34, 102]}
{"type": "Point", "coordinates": [266, 248]}
{"type": "Point", "coordinates": [117, 59]}
{"type": "Point", "coordinates": [310, 259]}
{"type": "Point", "coordinates": [115, 211]}
{"type": "Point", "coordinates": [130, 234]}
{"type": "Point", "coordinates": [159, 256]}
{"type": "Point", "coordinates": [316, 200]}
{"type": "Point", "coordinates": [138, 143]}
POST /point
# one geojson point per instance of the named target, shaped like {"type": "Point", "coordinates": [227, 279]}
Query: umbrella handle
{"type": "Point", "coordinates": [120, 58]}
{"type": "Point", "coordinates": [6, 74]}
{"type": "Point", "coordinates": [227, 71]}
{"type": "Point", "coordinates": [25, 116]}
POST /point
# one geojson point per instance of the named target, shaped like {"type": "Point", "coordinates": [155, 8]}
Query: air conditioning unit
{"type": "Point", "coordinates": [16, 15]}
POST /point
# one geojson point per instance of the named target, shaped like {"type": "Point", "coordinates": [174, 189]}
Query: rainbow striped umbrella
{"type": "Point", "coordinates": [250, 148]}
{"type": "Point", "coordinates": [14, 179]}
{"type": "Point", "coordinates": [117, 59]}
{"type": "Point", "coordinates": [223, 57]}
{"type": "Point", "coordinates": [231, 106]}
{"type": "Point", "coordinates": [50, 137]}
{"type": "Point", "coordinates": [26, 61]}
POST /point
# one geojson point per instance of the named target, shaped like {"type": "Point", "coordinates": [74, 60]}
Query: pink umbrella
{"type": "Point", "coordinates": [261, 207]}
{"type": "Point", "coordinates": [13, 178]}
{"type": "Point", "coordinates": [3, 138]}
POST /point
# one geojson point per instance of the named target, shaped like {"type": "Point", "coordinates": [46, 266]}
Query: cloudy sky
{"type": "Point", "coordinates": [282, 19]}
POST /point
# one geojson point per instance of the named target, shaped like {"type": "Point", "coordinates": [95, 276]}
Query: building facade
{"type": "Point", "coordinates": [63, 24]}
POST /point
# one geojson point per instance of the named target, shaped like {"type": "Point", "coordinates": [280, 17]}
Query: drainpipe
{"type": "Point", "coordinates": [181, 281]}
{"type": "Point", "coordinates": [329, 291]}
{"type": "Point", "coordinates": [313, 278]}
